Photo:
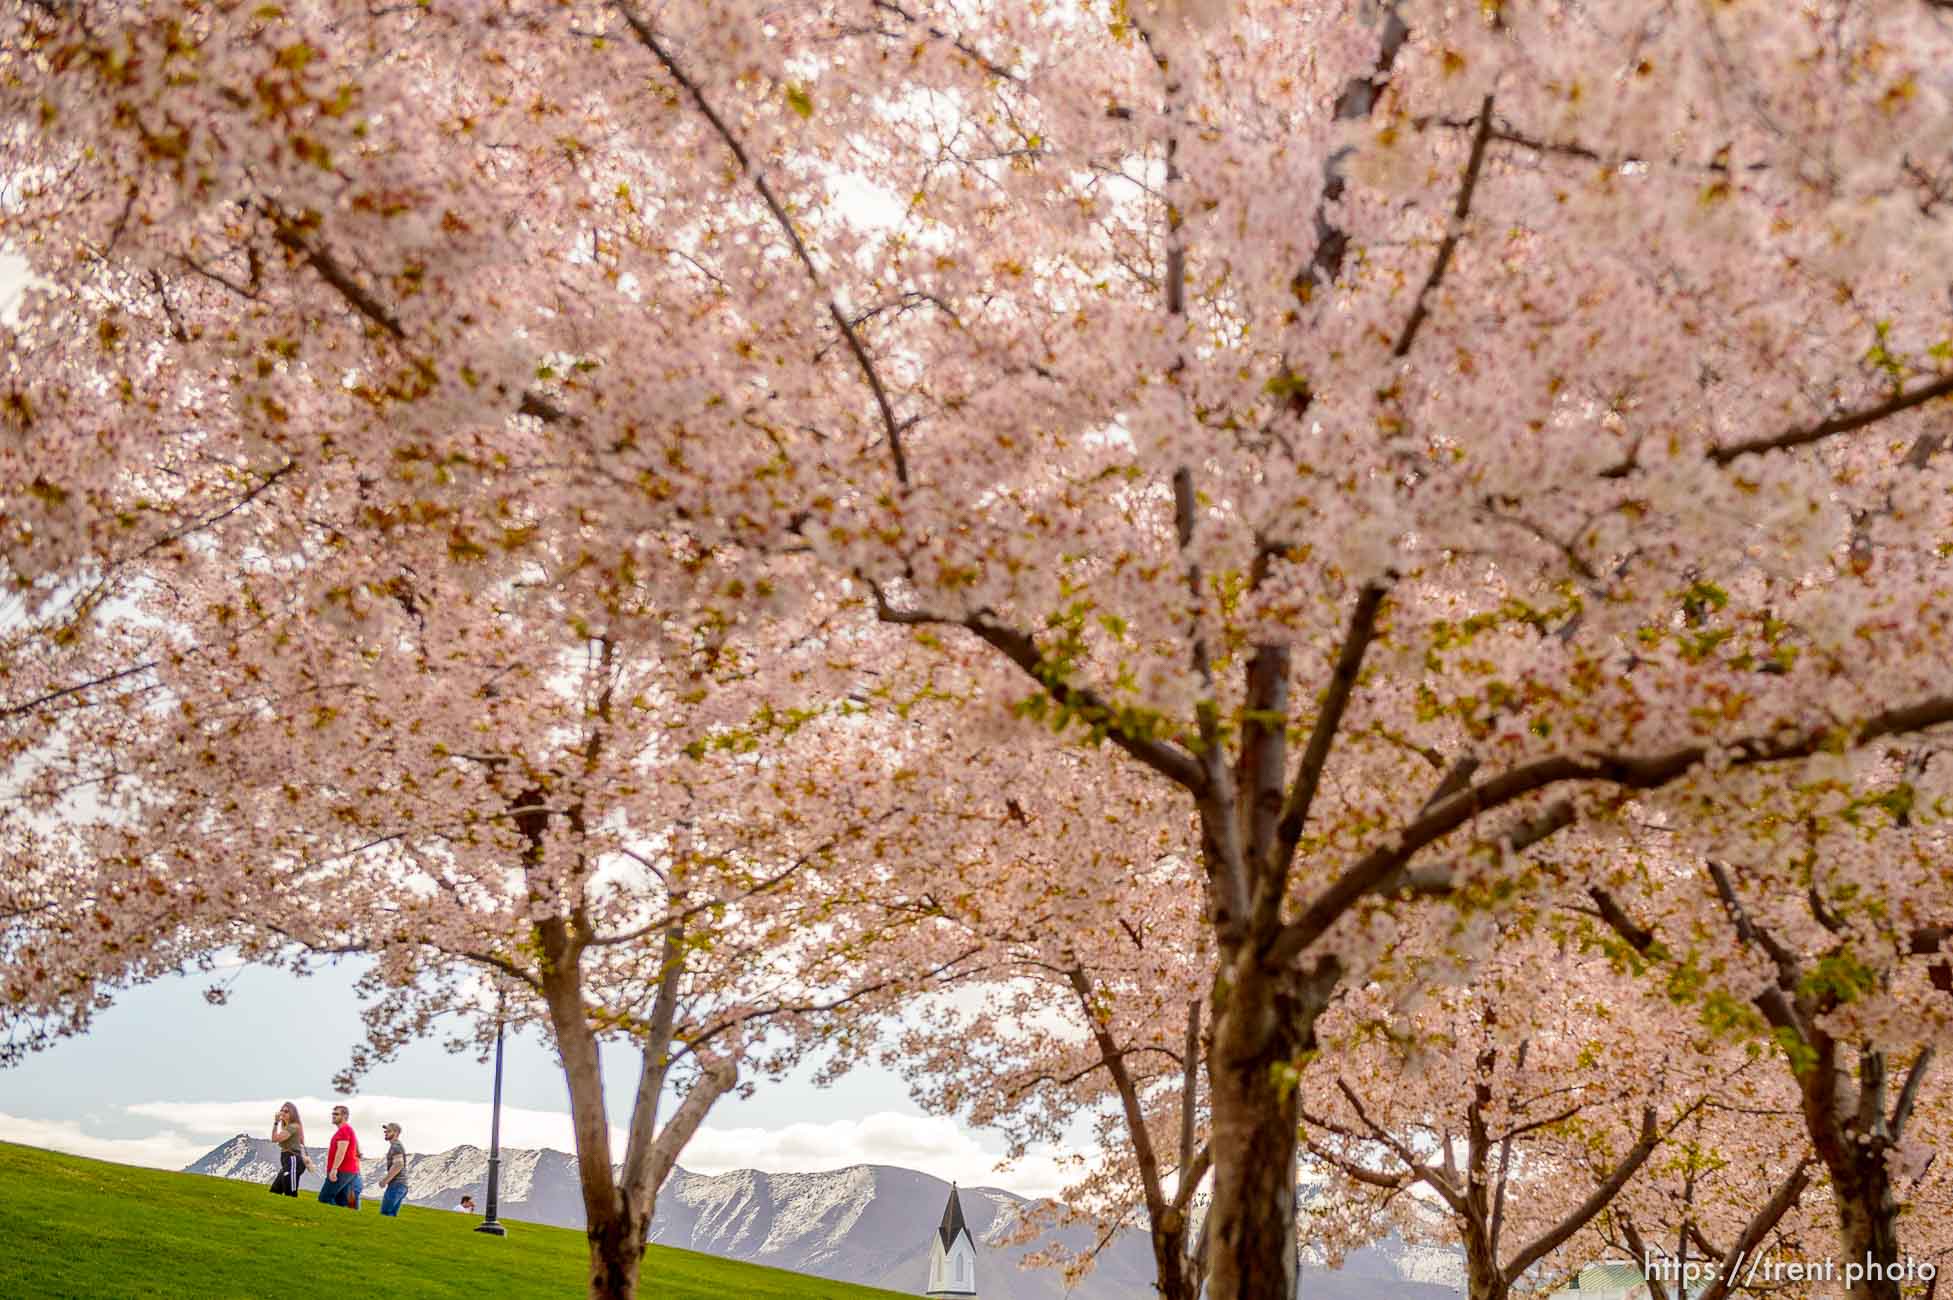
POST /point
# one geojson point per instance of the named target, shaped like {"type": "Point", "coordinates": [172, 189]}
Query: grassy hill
{"type": "Point", "coordinates": [82, 1228]}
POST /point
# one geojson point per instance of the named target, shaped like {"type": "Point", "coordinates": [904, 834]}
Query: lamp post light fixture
{"type": "Point", "coordinates": [490, 1224]}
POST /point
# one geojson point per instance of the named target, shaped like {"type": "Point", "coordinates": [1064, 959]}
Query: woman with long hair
{"type": "Point", "coordinates": [288, 1131]}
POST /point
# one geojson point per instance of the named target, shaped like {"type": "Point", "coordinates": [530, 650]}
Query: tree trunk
{"type": "Point", "coordinates": [1174, 1278]}
{"type": "Point", "coordinates": [616, 1235]}
{"type": "Point", "coordinates": [1484, 1280]}
{"type": "Point", "coordinates": [616, 1251]}
{"type": "Point", "coordinates": [1260, 1031]}
{"type": "Point", "coordinates": [1852, 1136]}
{"type": "Point", "coordinates": [1868, 1226]}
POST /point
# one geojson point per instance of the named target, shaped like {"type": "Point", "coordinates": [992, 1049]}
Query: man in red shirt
{"type": "Point", "coordinates": [342, 1180]}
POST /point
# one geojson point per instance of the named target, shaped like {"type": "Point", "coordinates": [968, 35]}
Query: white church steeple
{"type": "Point", "coordinates": [952, 1254]}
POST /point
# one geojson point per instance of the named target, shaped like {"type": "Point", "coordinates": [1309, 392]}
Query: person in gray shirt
{"type": "Point", "coordinates": [393, 1182]}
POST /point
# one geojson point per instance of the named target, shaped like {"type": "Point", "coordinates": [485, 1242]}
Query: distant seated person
{"type": "Point", "coordinates": [342, 1184]}
{"type": "Point", "coordinates": [467, 1205]}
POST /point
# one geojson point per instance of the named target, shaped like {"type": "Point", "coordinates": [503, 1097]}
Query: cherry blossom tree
{"type": "Point", "coordinates": [1522, 1094]}
{"type": "Point", "coordinates": [555, 809]}
{"type": "Point", "coordinates": [1831, 972]}
{"type": "Point", "coordinates": [603, 786]}
{"type": "Point", "coordinates": [1081, 1003]}
{"type": "Point", "coordinates": [1732, 1185]}
{"type": "Point", "coordinates": [1402, 429]}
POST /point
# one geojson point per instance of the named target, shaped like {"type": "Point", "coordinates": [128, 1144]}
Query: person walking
{"type": "Point", "coordinates": [342, 1184]}
{"type": "Point", "coordinates": [289, 1133]}
{"type": "Point", "coordinates": [393, 1182]}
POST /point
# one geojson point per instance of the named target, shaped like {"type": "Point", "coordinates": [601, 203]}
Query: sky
{"type": "Point", "coordinates": [163, 1076]}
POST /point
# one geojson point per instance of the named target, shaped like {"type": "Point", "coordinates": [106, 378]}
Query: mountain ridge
{"type": "Point", "coordinates": [869, 1224]}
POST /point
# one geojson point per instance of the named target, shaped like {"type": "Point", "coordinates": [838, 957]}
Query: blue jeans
{"type": "Point", "coordinates": [342, 1190]}
{"type": "Point", "coordinates": [390, 1200]}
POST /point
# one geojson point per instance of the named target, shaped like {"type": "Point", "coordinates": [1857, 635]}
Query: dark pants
{"type": "Point", "coordinates": [291, 1168]}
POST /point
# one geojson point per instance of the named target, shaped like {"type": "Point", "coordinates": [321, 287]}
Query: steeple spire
{"type": "Point", "coordinates": [953, 1220]}
{"type": "Point", "coordinates": [952, 1255]}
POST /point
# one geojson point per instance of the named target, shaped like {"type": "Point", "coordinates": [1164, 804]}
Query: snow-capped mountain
{"type": "Point", "coordinates": [536, 1187]}
{"type": "Point", "coordinates": [867, 1223]}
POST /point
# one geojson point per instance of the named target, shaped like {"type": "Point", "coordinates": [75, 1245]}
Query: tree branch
{"type": "Point", "coordinates": [1115, 1065]}
{"type": "Point", "coordinates": [962, 47]}
{"type": "Point", "coordinates": [1164, 757]}
{"type": "Point", "coordinates": [649, 39]}
{"type": "Point", "coordinates": [49, 697]}
{"type": "Point", "coordinates": [1436, 881]}
{"type": "Point", "coordinates": [1329, 720]}
{"type": "Point", "coordinates": [1909, 1092]}
{"type": "Point", "coordinates": [1804, 435]}
{"type": "Point", "coordinates": [1850, 423]}
{"type": "Point", "coordinates": [1594, 1204]}
{"type": "Point", "coordinates": [1473, 167]}
{"type": "Point", "coordinates": [1639, 937]}
{"type": "Point", "coordinates": [1361, 1173]}
{"type": "Point", "coordinates": [1759, 1227]}
{"type": "Point", "coordinates": [1747, 931]}
{"type": "Point", "coordinates": [715, 1081]}
{"type": "Point", "coordinates": [654, 1068]}
{"type": "Point", "coordinates": [1633, 772]}
{"type": "Point", "coordinates": [1359, 97]}
{"type": "Point", "coordinates": [329, 270]}
{"type": "Point", "coordinates": [1190, 1175]}
{"type": "Point", "coordinates": [1190, 1078]}
{"type": "Point", "coordinates": [1429, 1176]}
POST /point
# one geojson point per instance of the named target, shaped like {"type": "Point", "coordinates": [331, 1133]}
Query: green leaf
{"type": "Point", "coordinates": [800, 101]}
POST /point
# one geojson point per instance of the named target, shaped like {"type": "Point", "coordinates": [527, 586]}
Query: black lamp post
{"type": "Point", "coordinates": [490, 1224]}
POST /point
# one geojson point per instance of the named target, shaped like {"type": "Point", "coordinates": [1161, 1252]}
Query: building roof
{"type": "Point", "coordinates": [1607, 1281]}
{"type": "Point", "coordinates": [953, 1220]}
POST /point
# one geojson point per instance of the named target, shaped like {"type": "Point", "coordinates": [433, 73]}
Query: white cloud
{"type": "Point", "coordinates": [169, 1149]}
{"type": "Point", "coordinates": [427, 1123]}
{"type": "Point", "coordinates": [189, 1129]}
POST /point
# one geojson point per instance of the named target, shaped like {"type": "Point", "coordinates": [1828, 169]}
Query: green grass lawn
{"type": "Point", "coordinates": [82, 1228]}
